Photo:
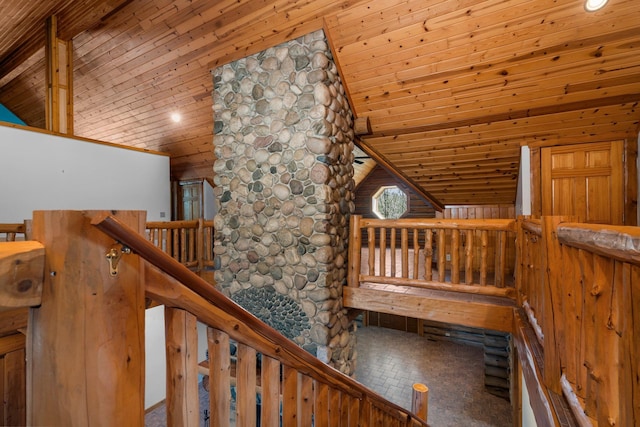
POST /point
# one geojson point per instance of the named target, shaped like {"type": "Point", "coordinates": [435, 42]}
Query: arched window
{"type": "Point", "coordinates": [389, 202]}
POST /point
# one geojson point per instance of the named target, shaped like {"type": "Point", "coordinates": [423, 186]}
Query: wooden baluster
{"type": "Point", "coordinates": [181, 336]}
{"type": "Point", "coordinates": [246, 386]}
{"type": "Point", "coordinates": [383, 252]}
{"type": "Point", "coordinates": [334, 406]}
{"type": "Point", "coordinates": [392, 252]}
{"type": "Point", "coordinates": [289, 397]}
{"type": "Point", "coordinates": [168, 244]}
{"type": "Point", "coordinates": [404, 242]}
{"type": "Point", "coordinates": [455, 256]}
{"type": "Point", "coordinates": [270, 382]}
{"type": "Point", "coordinates": [183, 245]}
{"type": "Point", "coordinates": [200, 252]}
{"type": "Point", "coordinates": [371, 244]}
{"type": "Point", "coordinates": [305, 400]}
{"type": "Point", "coordinates": [175, 251]}
{"type": "Point", "coordinates": [365, 412]}
{"type": "Point", "coordinates": [219, 377]}
{"type": "Point", "coordinates": [501, 258]}
{"type": "Point", "coordinates": [552, 304]}
{"type": "Point", "coordinates": [484, 244]}
{"type": "Point", "coordinates": [629, 298]}
{"type": "Point", "coordinates": [607, 324]}
{"type": "Point", "coordinates": [441, 255]}
{"type": "Point", "coordinates": [321, 404]}
{"type": "Point", "coordinates": [192, 242]}
{"type": "Point", "coordinates": [416, 253]}
{"type": "Point", "coordinates": [589, 344]}
{"type": "Point", "coordinates": [354, 412]}
{"type": "Point", "coordinates": [28, 229]}
{"type": "Point", "coordinates": [532, 260]}
{"type": "Point", "coordinates": [468, 258]}
{"type": "Point", "coordinates": [428, 254]}
{"type": "Point", "coordinates": [345, 403]}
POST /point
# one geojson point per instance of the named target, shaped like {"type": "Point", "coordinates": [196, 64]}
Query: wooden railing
{"type": "Point", "coordinates": [13, 232]}
{"type": "Point", "coordinates": [295, 387]}
{"type": "Point", "coordinates": [469, 255]}
{"type": "Point", "coordinates": [86, 338]}
{"type": "Point", "coordinates": [580, 284]}
{"type": "Point", "coordinates": [189, 242]}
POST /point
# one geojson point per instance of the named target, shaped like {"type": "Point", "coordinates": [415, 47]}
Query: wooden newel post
{"type": "Point", "coordinates": [420, 401]}
{"type": "Point", "coordinates": [85, 342]}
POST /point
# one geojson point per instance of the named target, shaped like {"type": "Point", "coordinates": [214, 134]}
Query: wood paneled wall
{"type": "Point", "coordinates": [418, 207]}
{"type": "Point", "coordinates": [500, 211]}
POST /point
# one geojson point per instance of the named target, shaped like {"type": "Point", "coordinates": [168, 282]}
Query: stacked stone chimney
{"type": "Point", "coordinates": [284, 193]}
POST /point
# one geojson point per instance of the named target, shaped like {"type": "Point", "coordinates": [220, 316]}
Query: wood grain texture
{"type": "Point", "coordinates": [88, 320]}
{"type": "Point", "coordinates": [21, 274]}
{"type": "Point", "coordinates": [465, 312]}
{"type": "Point", "coordinates": [451, 90]}
{"type": "Point", "coordinates": [181, 340]}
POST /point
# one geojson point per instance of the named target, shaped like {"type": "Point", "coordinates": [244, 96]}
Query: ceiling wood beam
{"type": "Point", "coordinates": [512, 115]}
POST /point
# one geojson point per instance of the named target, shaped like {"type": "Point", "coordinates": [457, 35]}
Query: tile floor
{"type": "Point", "coordinates": [390, 362]}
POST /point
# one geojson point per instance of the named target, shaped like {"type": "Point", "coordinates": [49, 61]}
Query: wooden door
{"type": "Point", "coordinates": [585, 180]}
{"type": "Point", "coordinates": [190, 200]}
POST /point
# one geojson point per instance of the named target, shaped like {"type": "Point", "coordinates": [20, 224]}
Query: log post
{"type": "Point", "coordinates": [85, 342]}
{"type": "Point", "coordinates": [355, 246]}
{"type": "Point", "coordinates": [59, 80]}
{"type": "Point", "coordinates": [420, 401]}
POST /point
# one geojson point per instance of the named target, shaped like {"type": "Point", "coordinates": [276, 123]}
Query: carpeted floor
{"type": "Point", "coordinates": [390, 362]}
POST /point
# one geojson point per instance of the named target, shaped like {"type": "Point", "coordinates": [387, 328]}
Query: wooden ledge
{"type": "Point", "coordinates": [21, 274]}
{"type": "Point", "coordinates": [473, 310]}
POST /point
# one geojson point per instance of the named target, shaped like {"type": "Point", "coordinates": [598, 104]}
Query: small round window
{"type": "Point", "coordinates": [389, 202]}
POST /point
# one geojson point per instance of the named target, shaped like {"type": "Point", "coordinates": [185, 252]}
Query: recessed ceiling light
{"type": "Point", "coordinates": [593, 5]}
{"type": "Point", "coordinates": [176, 117]}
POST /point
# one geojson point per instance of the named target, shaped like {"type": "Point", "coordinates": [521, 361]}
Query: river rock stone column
{"type": "Point", "coordinates": [284, 193]}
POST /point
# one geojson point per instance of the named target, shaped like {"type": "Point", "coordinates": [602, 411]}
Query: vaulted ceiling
{"type": "Point", "coordinates": [452, 88]}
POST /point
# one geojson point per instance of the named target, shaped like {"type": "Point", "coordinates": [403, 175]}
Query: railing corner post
{"type": "Point", "coordinates": [85, 342]}
{"type": "Point", "coordinates": [355, 246]}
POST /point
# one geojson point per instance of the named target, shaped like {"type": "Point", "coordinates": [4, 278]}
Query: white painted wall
{"type": "Point", "coordinates": [40, 171]}
{"type": "Point", "coordinates": [523, 192]}
{"type": "Point", "coordinates": [208, 200]}
{"type": "Point", "coordinates": [528, 419]}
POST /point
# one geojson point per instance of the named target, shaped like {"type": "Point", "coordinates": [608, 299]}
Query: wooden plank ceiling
{"type": "Point", "coordinates": [452, 88]}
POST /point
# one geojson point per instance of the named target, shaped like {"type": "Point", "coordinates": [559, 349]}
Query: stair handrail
{"type": "Point", "coordinates": [264, 338]}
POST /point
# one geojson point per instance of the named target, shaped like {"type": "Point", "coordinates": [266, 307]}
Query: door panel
{"type": "Point", "coordinates": [584, 180]}
{"type": "Point", "coordinates": [190, 200]}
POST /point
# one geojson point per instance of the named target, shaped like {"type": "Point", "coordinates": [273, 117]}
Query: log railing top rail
{"type": "Point", "coordinates": [12, 228]}
{"type": "Point", "coordinates": [238, 323]}
{"type": "Point", "coordinates": [9, 231]}
{"type": "Point", "coordinates": [193, 223]}
{"type": "Point", "coordinates": [533, 226]}
{"type": "Point", "coordinates": [619, 242]}
{"type": "Point", "coordinates": [449, 224]}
